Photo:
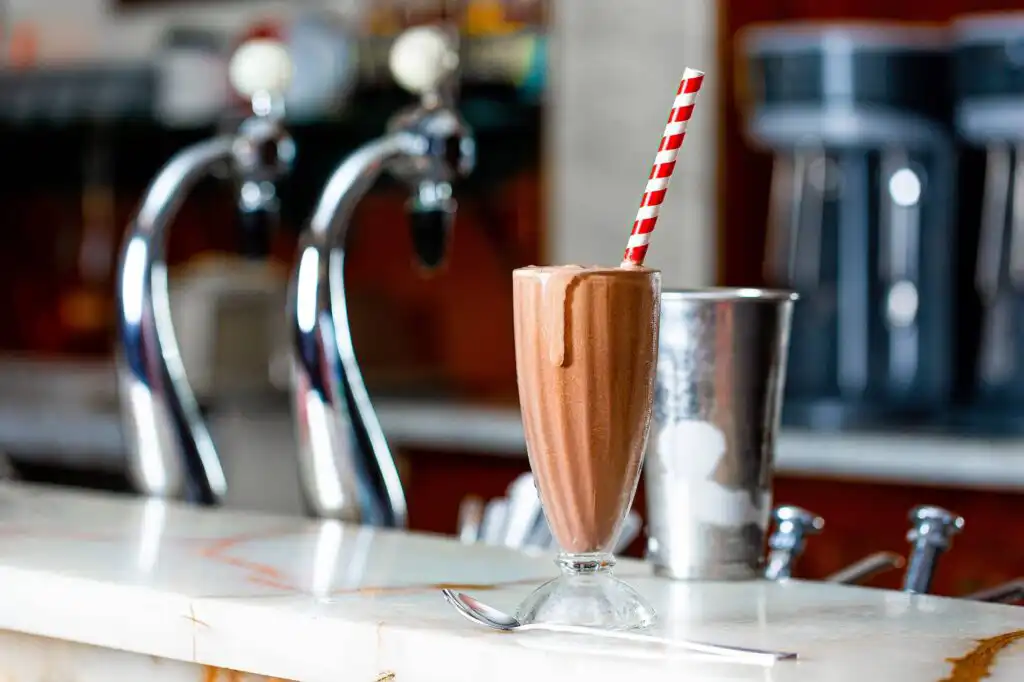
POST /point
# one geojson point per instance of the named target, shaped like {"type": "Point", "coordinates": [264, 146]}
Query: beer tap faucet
{"type": "Point", "coordinates": [171, 453]}
{"type": "Point", "coordinates": [346, 468]}
{"type": "Point", "coordinates": [930, 535]}
{"type": "Point", "coordinates": [792, 526]}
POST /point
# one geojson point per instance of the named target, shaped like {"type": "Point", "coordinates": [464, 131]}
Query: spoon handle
{"type": "Point", "coordinates": [741, 654]}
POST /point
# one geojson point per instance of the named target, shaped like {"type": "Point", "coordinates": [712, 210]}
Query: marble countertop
{"type": "Point", "coordinates": [305, 600]}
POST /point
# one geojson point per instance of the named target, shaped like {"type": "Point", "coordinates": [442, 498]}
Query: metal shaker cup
{"type": "Point", "coordinates": [710, 454]}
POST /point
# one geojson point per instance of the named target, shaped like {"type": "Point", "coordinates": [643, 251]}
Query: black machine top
{"type": "Point", "coordinates": [845, 82]}
{"type": "Point", "coordinates": [989, 76]}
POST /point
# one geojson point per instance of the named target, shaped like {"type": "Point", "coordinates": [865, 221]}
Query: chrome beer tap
{"type": "Point", "coordinates": [930, 535]}
{"type": "Point", "coordinates": [787, 543]}
{"type": "Point", "coordinates": [171, 453]}
{"type": "Point", "coordinates": [346, 468]}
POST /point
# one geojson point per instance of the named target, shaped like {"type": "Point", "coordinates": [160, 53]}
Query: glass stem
{"type": "Point", "coordinates": [585, 564]}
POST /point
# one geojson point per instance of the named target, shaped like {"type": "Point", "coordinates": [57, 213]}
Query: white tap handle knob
{"type": "Point", "coordinates": [260, 65]}
{"type": "Point", "coordinates": [422, 58]}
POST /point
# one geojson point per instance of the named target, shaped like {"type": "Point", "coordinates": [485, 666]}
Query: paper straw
{"type": "Point", "coordinates": [664, 164]}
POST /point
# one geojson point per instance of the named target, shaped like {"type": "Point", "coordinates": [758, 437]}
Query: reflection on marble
{"type": "Point", "coordinates": [297, 599]}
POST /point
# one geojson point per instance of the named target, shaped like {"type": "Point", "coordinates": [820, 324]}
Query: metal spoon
{"type": "Point", "coordinates": [491, 617]}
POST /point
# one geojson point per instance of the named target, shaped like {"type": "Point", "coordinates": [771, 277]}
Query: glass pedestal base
{"type": "Point", "coordinates": [587, 594]}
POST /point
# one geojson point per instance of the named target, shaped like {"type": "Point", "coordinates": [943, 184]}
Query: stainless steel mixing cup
{"type": "Point", "coordinates": [710, 455]}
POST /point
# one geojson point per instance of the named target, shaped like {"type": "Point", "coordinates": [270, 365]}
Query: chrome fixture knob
{"type": "Point", "coordinates": [931, 533]}
{"type": "Point", "coordinates": [792, 526]}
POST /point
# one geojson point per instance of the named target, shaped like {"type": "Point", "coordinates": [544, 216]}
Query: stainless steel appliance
{"type": "Point", "coordinates": [858, 120]}
{"type": "Point", "coordinates": [710, 455]}
{"type": "Point", "coordinates": [346, 467]}
{"type": "Point", "coordinates": [171, 453]}
{"type": "Point", "coordinates": [989, 64]}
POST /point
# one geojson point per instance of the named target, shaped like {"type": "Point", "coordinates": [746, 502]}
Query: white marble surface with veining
{"type": "Point", "coordinates": [304, 600]}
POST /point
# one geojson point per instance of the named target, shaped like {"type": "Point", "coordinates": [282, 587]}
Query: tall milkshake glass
{"type": "Point", "coordinates": [586, 354]}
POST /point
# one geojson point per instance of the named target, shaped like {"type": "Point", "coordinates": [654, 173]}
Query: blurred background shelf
{"type": "Point", "coordinates": [66, 414]}
{"type": "Point", "coordinates": [105, 94]}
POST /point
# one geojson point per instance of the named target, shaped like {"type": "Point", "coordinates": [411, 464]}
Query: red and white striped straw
{"type": "Point", "coordinates": [664, 164]}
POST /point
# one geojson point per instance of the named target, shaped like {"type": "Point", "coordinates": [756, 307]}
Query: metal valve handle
{"type": "Point", "coordinates": [792, 526]}
{"type": "Point", "coordinates": [931, 533]}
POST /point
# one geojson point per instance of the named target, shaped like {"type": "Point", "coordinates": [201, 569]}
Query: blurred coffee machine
{"type": "Point", "coordinates": [858, 118]}
{"type": "Point", "coordinates": [989, 65]}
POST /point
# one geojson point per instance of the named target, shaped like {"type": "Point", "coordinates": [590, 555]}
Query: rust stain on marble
{"type": "Point", "coordinates": [977, 664]}
{"type": "Point", "coordinates": [258, 573]}
{"type": "Point", "coordinates": [214, 674]}
{"type": "Point", "coordinates": [268, 576]}
{"type": "Point", "coordinates": [382, 590]}
{"type": "Point", "coordinates": [412, 589]}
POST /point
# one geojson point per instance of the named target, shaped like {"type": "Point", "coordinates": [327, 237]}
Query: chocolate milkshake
{"type": "Point", "coordinates": [586, 350]}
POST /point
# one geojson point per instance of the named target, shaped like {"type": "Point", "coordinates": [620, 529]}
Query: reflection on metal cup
{"type": "Point", "coordinates": [710, 456]}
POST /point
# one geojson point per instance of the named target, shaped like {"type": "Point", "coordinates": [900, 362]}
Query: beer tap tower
{"type": "Point", "coordinates": [346, 468]}
{"type": "Point", "coordinates": [171, 453]}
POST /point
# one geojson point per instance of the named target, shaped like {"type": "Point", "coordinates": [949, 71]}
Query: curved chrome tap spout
{"type": "Point", "coordinates": [346, 468]}
{"type": "Point", "coordinates": [170, 450]}
{"type": "Point", "coordinates": [172, 454]}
